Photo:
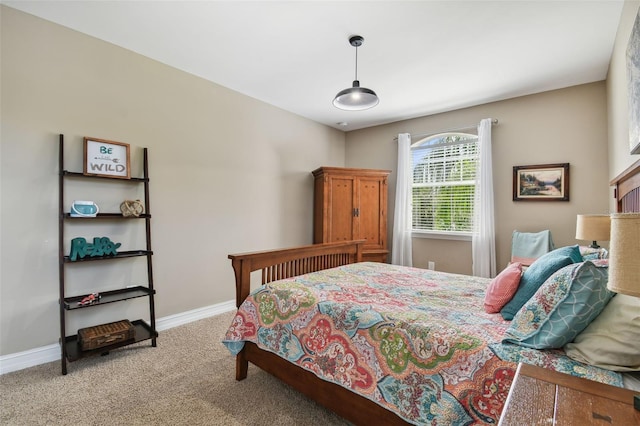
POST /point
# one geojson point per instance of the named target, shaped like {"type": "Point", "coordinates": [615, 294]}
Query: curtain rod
{"type": "Point", "coordinates": [457, 129]}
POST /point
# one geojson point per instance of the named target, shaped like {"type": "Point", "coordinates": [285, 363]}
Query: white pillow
{"type": "Point", "coordinates": [612, 340]}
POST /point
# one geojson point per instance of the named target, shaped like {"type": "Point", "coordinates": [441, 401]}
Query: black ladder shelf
{"type": "Point", "coordinates": [69, 344]}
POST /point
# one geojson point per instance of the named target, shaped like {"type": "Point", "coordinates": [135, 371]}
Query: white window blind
{"type": "Point", "coordinates": [444, 173]}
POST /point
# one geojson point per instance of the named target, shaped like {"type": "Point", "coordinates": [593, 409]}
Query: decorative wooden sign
{"type": "Point", "coordinates": [106, 158]}
{"type": "Point", "coordinates": [101, 246]}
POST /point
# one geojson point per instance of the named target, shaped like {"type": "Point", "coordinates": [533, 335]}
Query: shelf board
{"type": "Point", "coordinates": [108, 216]}
{"type": "Point", "coordinates": [83, 176]}
{"type": "Point", "coordinates": [71, 303]}
{"type": "Point", "coordinates": [74, 353]}
{"type": "Point", "coordinates": [120, 255]}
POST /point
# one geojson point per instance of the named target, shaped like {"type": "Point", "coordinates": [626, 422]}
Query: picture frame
{"type": "Point", "coordinates": [106, 158]}
{"type": "Point", "coordinates": [633, 78]}
{"type": "Point", "coordinates": [543, 182]}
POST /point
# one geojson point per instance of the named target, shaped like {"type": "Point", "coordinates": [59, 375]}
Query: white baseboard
{"type": "Point", "coordinates": [30, 358]}
{"type": "Point", "coordinates": [50, 353]}
{"type": "Point", "coordinates": [182, 318]}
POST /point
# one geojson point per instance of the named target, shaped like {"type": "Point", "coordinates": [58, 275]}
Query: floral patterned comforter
{"type": "Point", "coordinates": [415, 341]}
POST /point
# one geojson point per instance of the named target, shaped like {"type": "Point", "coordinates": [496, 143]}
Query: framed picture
{"type": "Point", "coordinates": [106, 158]}
{"type": "Point", "coordinates": [633, 77]}
{"type": "Point", "coordinates": [545, 182]}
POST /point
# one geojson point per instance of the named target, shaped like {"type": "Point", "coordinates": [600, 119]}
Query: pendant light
{"type": "Point", "coordinates": [356, 98]}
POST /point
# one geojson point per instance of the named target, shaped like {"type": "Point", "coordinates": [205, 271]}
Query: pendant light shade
{"type": "Point", "coordinates": [356, 98]}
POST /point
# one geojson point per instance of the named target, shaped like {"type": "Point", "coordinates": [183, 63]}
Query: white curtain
{"type": "Point", "coordinates": [483, 245]}
{"type": "Point", "coordinates": [401, 247]}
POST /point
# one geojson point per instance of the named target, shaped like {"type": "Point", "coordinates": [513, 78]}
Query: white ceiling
{"type": "Point", "coordinates": [421, 58]}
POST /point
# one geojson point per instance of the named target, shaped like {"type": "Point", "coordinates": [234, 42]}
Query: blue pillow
{"type": "Point", "coordinates": [561, 308]}
{"type": "Point", "coordinates": [536, 274]}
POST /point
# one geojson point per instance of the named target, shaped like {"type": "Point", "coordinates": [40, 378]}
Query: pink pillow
{"type": "Point", "coordinates": [502, 288]}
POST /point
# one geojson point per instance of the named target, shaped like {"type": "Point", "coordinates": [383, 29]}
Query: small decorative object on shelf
{"type": "Point", "coordinates": [84, 209]}
{"type": "Point", "coordinates": [106, 158]}
{"type": "Point", "coordinates": [90, 299]}
{"type": "Point", "coordinates": [105, 334]}
{"type": "Point", "coordinates": [131, 208]}
{"type": "Point", "coordinates": [102, 246]}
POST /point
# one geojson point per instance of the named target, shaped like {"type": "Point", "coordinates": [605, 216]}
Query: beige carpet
{"type": "Point", "coordinates": [188, 379]}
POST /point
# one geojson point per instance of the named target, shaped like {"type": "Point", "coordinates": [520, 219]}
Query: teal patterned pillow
{"type": "Point", "coordinates": [536, 274]}
{"type": "Point", "coordinates": [562, 307]}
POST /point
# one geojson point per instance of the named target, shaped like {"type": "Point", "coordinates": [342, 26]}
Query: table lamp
{"type": "Point", "coordinates": [593, 227]}
{"type": "Point", "coordinates": [624, 259]}
{"type": "Point", "coordinates": [624, 254]}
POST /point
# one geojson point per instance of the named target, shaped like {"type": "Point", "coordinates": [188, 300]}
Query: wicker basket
{"type": "Point", "coordinates": [105, 335]}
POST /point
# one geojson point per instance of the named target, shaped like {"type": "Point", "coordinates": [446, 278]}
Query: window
{"type": "Point", "coordinates": [443, 189]}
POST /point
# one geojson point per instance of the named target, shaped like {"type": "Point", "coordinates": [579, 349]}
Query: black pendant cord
{"type": "Point", "coordinates": [356, 63]}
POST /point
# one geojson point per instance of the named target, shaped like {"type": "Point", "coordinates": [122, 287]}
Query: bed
{"type": "Point", "coordinates": [382, 343]}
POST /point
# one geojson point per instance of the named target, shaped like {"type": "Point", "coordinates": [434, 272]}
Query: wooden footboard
{"type": "Point", "coordinates": [285, 263]}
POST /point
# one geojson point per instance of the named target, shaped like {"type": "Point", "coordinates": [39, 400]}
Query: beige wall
{"type": "Point", "coordinates": [617, 100]}
{"type": "Point", "coordinates": [228, 174]}
{"type": "Point", "coordinates": [561, 126]}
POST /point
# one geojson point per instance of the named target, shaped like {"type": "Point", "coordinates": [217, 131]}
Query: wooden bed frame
{"type": "Point", "coordinates": [626, 188]}
{"type": "Point", "coordinates": [279, 264]}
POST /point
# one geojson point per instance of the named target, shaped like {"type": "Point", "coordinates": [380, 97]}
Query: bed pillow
{"type": "Point", "coordinates": [611, 341]}
{"type": "Point", "coordinates": [502, 288]}
{"type": "Point", "coordinates": [536, 274]}
{"type": "Point", "coordinates": [561, 308]}
{"type": "Point", "coordinates": [589, 253]}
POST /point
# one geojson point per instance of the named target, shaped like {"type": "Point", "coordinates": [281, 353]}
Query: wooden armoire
{"type": "Point", "coordinates": [351, 204]}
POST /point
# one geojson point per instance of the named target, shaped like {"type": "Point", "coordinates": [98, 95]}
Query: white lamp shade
{"type": "Point", "coordinates": [593, 227]}
{"type": "Point", "coordinates": [624, 254]}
